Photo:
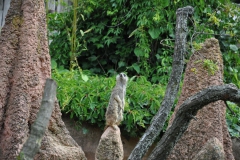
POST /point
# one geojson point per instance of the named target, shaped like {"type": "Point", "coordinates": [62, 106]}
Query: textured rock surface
{"type": "Point", "coordinates": [24, 67]}
{"type": "Point", "coordinates": [88, 137]}
{"type": "Point", "coordinates": [212, 150]}
{"type": "Point", "coordinates": [110, 145]}
{"type": "Point", "coordinates": [236, 148]}
{"type": "Point", "coordinates": [210, 121]}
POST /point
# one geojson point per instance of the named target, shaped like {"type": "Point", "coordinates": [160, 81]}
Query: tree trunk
{"type": "Point", "coordinates": [38, 128]}
{"type": "Point", "coordinates": [24, 68]}
{"type": "Point", "coordinates": [172, 88]}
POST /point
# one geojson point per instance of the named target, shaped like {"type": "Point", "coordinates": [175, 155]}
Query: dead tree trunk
{"type": "Point", "coordinates": [38, 128]}
{"type": "Point", "coordinates": [172, 88]}
{"type": "Point", "coordinates": [24, 68]}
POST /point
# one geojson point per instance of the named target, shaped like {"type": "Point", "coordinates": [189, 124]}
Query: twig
{"type": "Point", "coordinates": [233, 113]}
{"type": "Point", "coordinates": [122, 21]}
{"type": "Point", "coordinates": [161, 42]}
{"type": "Point", "coordinates": [191, 106]}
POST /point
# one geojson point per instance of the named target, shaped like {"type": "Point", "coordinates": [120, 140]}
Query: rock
{"type": "Point", "coordinates": [204, 69]}
{"type": "Point", "coordinates": [110, 145]}
{"type": "Point", "coordinates": [212, 150]}
{"type": "Point", "coordinates": [57, 142]}
{"type": "Point", "coordinates": [236, 148]}
{"type": "Point", "coordinates": [88, 136]}
{"type": "Point", "coordinates": [25, 64]}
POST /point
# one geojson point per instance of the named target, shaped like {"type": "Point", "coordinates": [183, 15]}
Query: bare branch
{"type": "Point", "coordinates": [33, 143]}
{"type": "Point", "coordinates": [161, 42]}
{"type": "Point", "coordinates": [172, 88]}
{"type": "Point", "coordinates": [121, 21]}
{"type": "Point", "coordinates": [187, 111]}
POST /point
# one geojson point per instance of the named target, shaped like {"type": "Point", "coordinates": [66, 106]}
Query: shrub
{"type": "Point", "coordinates": [87, 101]}
{"type": "Point", "coordinates": [233, 121]}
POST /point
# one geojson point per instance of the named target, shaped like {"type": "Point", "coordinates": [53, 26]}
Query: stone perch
{"type": "Point", "coordinates": [110, 145]}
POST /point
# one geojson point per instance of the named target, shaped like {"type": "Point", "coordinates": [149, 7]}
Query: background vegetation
{"type": "Point", "coordinates": [136, 37]}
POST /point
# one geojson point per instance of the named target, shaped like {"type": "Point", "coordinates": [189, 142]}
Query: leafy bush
{"type": "Point", "coordinates": [223, 22]}
{"type": "Point", "coordinates": [233, 121]}
{"type": "Point", "coordinates": [137, 37]}
{"type": "Point", "coordinates": [87, 101]}
{"type": "Point", "coordinates": [125, 35]}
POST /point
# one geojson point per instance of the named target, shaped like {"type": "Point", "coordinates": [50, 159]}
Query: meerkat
{"type": "Point", "coordinates": [114, 113]}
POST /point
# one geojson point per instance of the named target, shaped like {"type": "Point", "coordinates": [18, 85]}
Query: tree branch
{"type": "Point", "coordinates": [172, 88]}
{"type": "Point", "coordinates": [33, 143]}
{"type": "Point", "coordinates": [187, 111]}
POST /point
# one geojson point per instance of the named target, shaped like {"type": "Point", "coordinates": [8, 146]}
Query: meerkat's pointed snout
{"type": "Point", "coordinates": [122, 75]}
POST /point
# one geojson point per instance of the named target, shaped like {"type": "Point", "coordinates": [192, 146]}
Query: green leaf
{"type": "Point", "coordinates": [154, 32]}
{"type": "Point", "coordinates": [136, 68]}
{"type": "Point", "coordinates": [92, 106]}
{"type": "Point", "coordinates": [132, 78]}
{"type": "Point", "coordinates": [164, 3]}
{"type": "Point", "coordinates": [237, 127]}
{"type": "Point", "coordinates": [82, 17]}
{"type": "Point", "coordinates": [99, 45]}
{"type": "Point", "coordinates": [157, 56]}
{"type": "Point", "coordinates": [93, 58]}
{"type": "Point", "coordinates": [133, 32]}
{"type": "Point", "coordinates": [233, 47]}
{"type": "Point", "coordinates": [53, 64]}
{"type": "Point", "coordinates": [121, 64]}
{"type": "Point", "coordinates": [84, 77]}
{"type": "Point", "coordinates": [139, 52]}
{"type": "Point", "coordinates": [82, 33]}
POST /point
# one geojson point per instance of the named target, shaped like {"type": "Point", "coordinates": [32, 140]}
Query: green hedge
{"type": "Point", "coordinates": [87, 101]}
{"type": "Point", "coordinates": [137, 37]}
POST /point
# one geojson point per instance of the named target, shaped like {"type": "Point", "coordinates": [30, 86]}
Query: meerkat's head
{"type": "Point", "coordinates": [122, 78]}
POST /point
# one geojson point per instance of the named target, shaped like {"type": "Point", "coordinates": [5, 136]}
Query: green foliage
{"type": "Point", "coordinates": [124, 35]}
{"type": "Point", "coordinates": [197, 46]}
{"type": "Point", "coordinates": [232, 68]}
{"type": "Point", "coordinates": [66, 37]}
{"type": "Point", "coordinates": [136, 37]}
{"type": "Point", "coordinates": [233, 121]}
{"type": "Point", "coordinates": [209, 65]}
{"type": "Point", "coordinates": [223, 22]}
{"type": "Point", "coordinates": [87, 101]}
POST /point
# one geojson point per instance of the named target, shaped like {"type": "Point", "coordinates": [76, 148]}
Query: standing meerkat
{"type": "Point", "coordinates": [114, 113]}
